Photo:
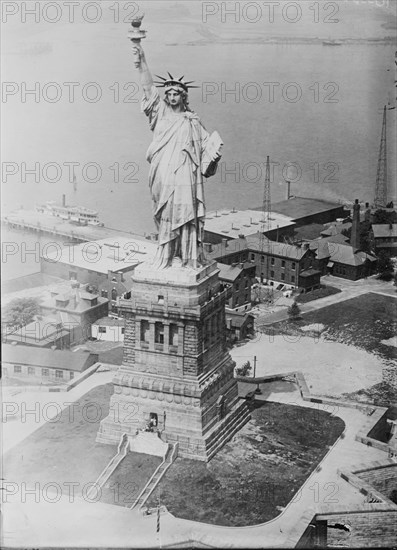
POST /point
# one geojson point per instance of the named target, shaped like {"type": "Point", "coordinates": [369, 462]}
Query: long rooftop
{"type": "Point", "coordinates": [233, 223]}
{"type": "Point", "coordinates": [48, 358]}
{"type": "Point", "coordinates": [301, 207]}
{"type": "Point", "coordinates": [115, 254]}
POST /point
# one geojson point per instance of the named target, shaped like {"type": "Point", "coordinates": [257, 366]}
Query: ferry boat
{"type": "Point", "coordinates": [332, 42]}
{"type": "Point", "coordinates": [74, 214]}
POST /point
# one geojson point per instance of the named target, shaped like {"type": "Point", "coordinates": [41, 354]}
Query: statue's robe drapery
{"type": "Point", "coordinates": [176, 179]}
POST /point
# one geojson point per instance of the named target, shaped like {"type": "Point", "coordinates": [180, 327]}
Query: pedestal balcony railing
{"type": "Point", "coordinates": [160, 310]}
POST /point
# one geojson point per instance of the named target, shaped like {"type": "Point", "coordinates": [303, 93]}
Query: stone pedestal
{"type": "Point", "coordinates": [176, 371]}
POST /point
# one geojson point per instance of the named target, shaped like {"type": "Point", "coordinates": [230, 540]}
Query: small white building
{"type": "Point", "coordinates": [109, 329]}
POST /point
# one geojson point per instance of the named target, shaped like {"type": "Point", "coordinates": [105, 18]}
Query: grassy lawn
{"type": "Point", "coordinates": [257, 473]}
{"type": "Point", "coordinates": [363, 321]}
{"type": "Point", "coordinates": [321, 292]}
{"type": "Point", "coordinates": [64, 450]}
{"type": "Point", "coordinates": [382, 394]}
{"type": "Point", "coordinates": [129, 479]}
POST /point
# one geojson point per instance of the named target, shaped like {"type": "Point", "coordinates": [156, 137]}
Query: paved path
{"type": "Point", "coordinates": [42, 524]}
{"type": "Point", "coordinates": [349, 289]}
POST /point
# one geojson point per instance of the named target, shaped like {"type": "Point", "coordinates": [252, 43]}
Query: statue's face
{"type": "Point", "coordinates": [174, 98]}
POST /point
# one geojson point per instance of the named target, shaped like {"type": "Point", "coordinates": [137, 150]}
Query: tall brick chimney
{"type": "Point", "coordinates": [355, 234]}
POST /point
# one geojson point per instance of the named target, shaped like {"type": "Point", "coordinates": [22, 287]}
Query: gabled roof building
{"type": "Point", "coordinates": [384, 237]}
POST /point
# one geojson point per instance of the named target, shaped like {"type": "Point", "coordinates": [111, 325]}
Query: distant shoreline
{"type": "Point", "coordinates": [286, 40]}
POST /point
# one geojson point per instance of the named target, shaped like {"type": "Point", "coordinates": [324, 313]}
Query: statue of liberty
{"type": "Point", "coordinates": [181, 155]}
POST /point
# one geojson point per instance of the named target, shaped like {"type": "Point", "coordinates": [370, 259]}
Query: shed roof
{"type": "Point", "coordinates": [239, 319]}
{"type": "Point", "coordinates": [229, 272]}
{"type": "Point", "coordinates": [347, 255]}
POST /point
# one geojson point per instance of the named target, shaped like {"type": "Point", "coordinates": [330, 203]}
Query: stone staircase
{"type": "Point", "coordinates": [111, 467]}
{"type": "Point", "coordinates": [148, 443]}
{"type": "Point", "coordinates": [169, 458]}
{"type": "Point", "coordinates": [110, 435]}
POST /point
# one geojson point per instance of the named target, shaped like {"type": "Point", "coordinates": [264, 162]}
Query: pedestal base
{"type": "Point", "coordinates": [176, 374]}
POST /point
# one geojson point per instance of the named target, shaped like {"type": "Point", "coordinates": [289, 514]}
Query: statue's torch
{"type": "Point", "coordinates": [136, 34]}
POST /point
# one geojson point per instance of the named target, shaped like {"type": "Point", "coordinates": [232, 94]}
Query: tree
{"type": "Point", "coordinates": [244, 370]}
{"type": "Point", "coordinates": [385, 267]}
{"type": "Point", "coordinates": [382, 216]}
{"type": "Point", "coordinates": [21, 311]}
{"type": "Point", "coordinates": [294, 311]}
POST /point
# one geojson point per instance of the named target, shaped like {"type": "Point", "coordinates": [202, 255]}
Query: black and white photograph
{"type": "Point", "coordinates": [198, 274]}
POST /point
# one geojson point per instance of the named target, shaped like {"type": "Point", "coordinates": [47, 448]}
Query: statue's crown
{"type": "Point", "coordinates": [171, 82]}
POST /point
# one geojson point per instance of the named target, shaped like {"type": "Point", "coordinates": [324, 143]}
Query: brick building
{"type": "Point", "coordinates": [342, 260]}
{"type": "Point", "coordinates": [239, 325]}
{"type": "Point", "coordinates": [239, 279]}
{"type": "Point", "coordinates": [75, 311]}
{"type": "Point", "coordinates": [276, 263]}
{"type": "Point", "coordinates": [384, 237]}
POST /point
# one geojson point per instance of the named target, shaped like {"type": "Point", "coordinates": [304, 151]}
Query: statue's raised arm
{"type": "Point", "coordinates": [181, 154]}
{"type": "Point", "coordinates": [144, 71]}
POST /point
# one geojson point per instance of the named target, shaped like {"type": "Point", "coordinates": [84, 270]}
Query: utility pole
{"type": "Point", "coordinates": [257, 390]}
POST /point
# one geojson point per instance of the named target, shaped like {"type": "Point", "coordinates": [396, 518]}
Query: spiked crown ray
{"type": "Point", "coordinates": [171, 82]}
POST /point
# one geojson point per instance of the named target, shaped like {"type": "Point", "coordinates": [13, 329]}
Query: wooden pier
{"type": "Point", "coordinates": [27, 220]}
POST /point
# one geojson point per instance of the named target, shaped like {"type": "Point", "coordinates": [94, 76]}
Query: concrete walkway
{"type": "Point", "coordinates": [42, 523]}
{"type": "Point", "coordinates": [349, 289]}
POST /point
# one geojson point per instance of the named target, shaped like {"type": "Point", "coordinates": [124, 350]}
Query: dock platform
{"type": "Point", "coordinates": [30, 220]}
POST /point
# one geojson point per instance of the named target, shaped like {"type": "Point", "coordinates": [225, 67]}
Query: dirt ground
{"type": "Point", "coordinates": [347, 355]}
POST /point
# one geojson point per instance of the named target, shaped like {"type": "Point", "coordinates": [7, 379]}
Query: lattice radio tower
{"type": "Point", "coordinates": [381, 175]}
